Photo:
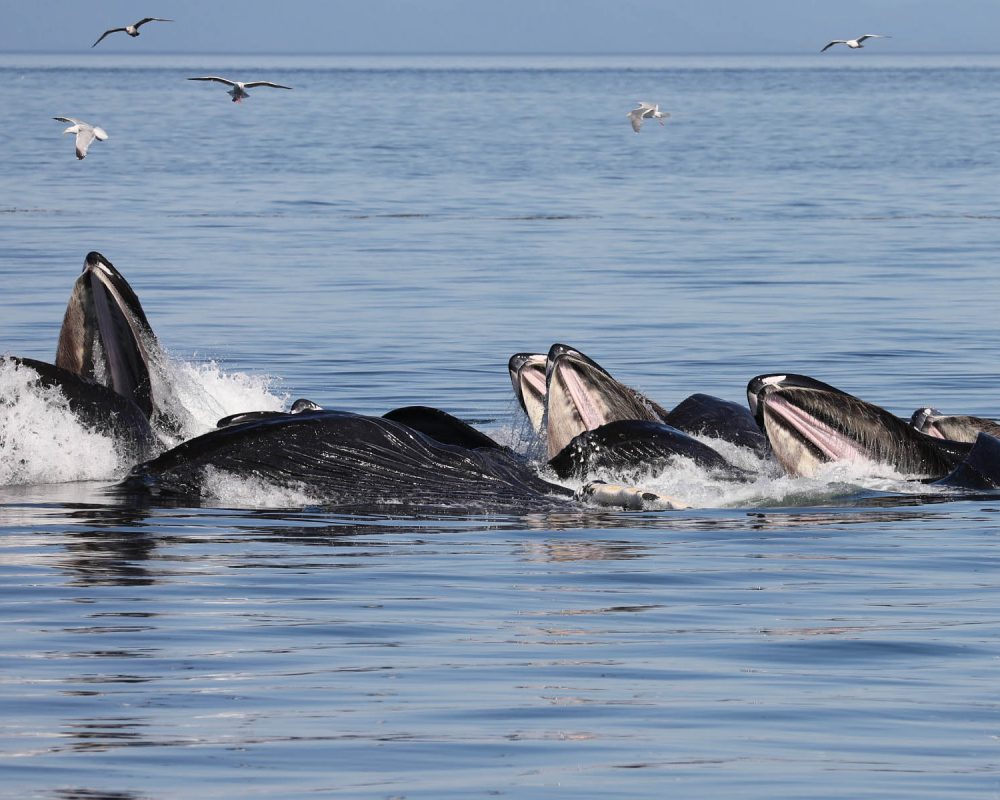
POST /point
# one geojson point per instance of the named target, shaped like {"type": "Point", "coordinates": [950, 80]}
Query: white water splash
{"type": "Point", "coordinates": [197, 395]}
{"type": "Point", "coordinates": [687, 484]}
{"type": "Point", "coordinates": [241, 491]}
{"type": "Point", "coordinates": [42, 441]}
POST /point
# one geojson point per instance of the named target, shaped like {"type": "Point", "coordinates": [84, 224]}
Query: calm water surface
{"type": "Point", "coordinates": [388, 233]}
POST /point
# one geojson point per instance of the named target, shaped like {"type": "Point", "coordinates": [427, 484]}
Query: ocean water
{"type": "Point", "coordinates": [389, 233]}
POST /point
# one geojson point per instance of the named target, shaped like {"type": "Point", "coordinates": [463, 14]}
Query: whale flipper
{"type": "Point", "coordinates": [627, 498]}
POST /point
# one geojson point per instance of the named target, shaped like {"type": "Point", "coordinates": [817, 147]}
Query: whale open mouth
{"type": "Point", "coordinates": [802, 440]}
{"type": "Point", "coordinates": [925, 420]}
{"type": "Point", "coordinates": [105, 336]}
{"type": "Point", "coordinates": [582, 396]}
{"type": "Point", "coordinates": [527, 376]}
{"type": "Point", "coordinates": [810, 423]}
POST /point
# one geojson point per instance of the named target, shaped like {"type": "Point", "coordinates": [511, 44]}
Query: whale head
{"type": "Point", "coordinates": [810, 423]}
{"type": "Point", "coordinates": [581, 396]}
{"type": "Point", "coordinates": [527, 376]}
{"type": "Point", "coordinates": [105, 336]}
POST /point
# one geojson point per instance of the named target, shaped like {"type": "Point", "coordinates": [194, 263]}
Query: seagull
{"type": "Point", "coordinates": [646, 111]}
{"type": "Point", "coordinates": [131, 30]}
{"type": "Point", "coordinates": [854, 44]}
{"type": "Point", "coordinates": [239, 90]}
{"type": "Point", "coordinates": [85, 134]}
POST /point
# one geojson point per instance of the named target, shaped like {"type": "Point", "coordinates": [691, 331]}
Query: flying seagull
{"type": "Point", "coordinates": [131, 30]}
{"type": "Point", "coordinates": [85, 134]}
{"type": "Point", "coordinates": [646, 111]}
{"type": "Point", "coordinates": [239, 90]}
{"type": "Point", "coordinates": [854, 44]}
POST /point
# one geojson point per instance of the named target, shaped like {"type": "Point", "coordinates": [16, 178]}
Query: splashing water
{"type": "Point", "coordinates": [239, 491]}
{"type": "Point", "coordinates": [196, 396]}
{"type": "Point", "coordinates": [686, 483]}
{"type": "Point", "coordinates": [42, 441]}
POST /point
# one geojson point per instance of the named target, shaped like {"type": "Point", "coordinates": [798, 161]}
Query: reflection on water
{"type": "Point", "coordinates": [310, 642]}
{"type": "Point", "coordinates": [580, 551]}
{"type": "Point", "coordinates": [80, 793]}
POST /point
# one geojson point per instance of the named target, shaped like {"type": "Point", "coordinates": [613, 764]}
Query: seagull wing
{"type": "Point", "coordinates": [84, 137]}
{"type": "Point", "coordinates": [70, 120]}
{"type": "Point", "coordinates": [265, 83]}
{"type": "Point", "coordinates": [871, 36]}
{"type": "Point", "coordinates": [215, 78]}
{"type": "Point", "coordinates": [835, 41]}
{"type": "Point", "coordinates": [109, 30]}
{"type": "Point", "coordinates": [144, 20]}
{"type": "Point", "coordinates": [636, 119]}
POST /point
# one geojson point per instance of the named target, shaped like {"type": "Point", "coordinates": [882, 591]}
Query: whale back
{"type": "Point", "coordinates": [353, 462]}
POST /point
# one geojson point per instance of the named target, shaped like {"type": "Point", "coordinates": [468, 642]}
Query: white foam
{"type": "Point", "coordinates": [41, 440]}
{"type": "Point", "coordinates": [687, 484]}
{"type": "Point", "coordinates": [239, 491]}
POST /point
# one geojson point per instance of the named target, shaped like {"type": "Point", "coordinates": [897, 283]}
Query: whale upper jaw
{"type": "Point", "coordinates": [105, 336]}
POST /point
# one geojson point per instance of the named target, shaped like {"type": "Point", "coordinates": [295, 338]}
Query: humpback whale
{"type": "Point", "coordinates": [810, 423]}
{"type": "Point", "coordinates": [580, 396]}
{"type": "Point", "coordinates": [594, 424]}
{"type": "Point", "coordinates": [527, 376]}
{"type": "Point", "coordinates": [442, 427]}
{"type": "Point", "coordinates": [698, 414]}
{"type": "Point", "coordinates": [102, 359]}
{"type": "Point", "coordinates": [353, 462]}
{"type": "Point", "coordinates": [105, 336]}
{"type": "Point", "coordinates": [957, 428]}
{"type": "Point", "coordinates": [705, 415]}
{"type": "Point", "coordinates": [630, 448]}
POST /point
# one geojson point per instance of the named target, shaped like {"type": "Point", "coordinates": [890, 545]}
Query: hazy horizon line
{"type": "Point", "coordinates": [509, 53]}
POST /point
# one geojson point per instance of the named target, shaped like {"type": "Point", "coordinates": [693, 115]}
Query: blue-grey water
{"type": "Point", "coordinates": [389, 233]}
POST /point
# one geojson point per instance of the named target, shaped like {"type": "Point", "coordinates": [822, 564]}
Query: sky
{"type": "Point", "coordinates": [499, 26]}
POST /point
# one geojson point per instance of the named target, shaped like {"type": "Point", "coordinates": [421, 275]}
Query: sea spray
{"type": "Point", "coordinates": [42, 441]}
